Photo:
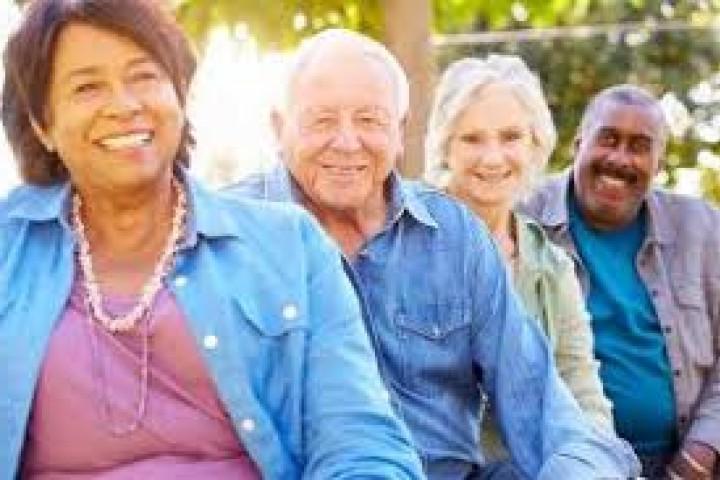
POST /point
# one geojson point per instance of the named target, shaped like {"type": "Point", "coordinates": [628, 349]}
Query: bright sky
{"type": "Point", "coordinates": [229, 107]}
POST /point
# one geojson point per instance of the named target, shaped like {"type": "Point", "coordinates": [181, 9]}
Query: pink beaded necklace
{"type": "Point", "coordinates": [123, 323]}
{"type": "Point", "coordinates": [139, 313]}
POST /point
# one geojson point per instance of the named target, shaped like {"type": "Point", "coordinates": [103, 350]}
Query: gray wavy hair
{"type": "Point", "coordinates": [457, 89]}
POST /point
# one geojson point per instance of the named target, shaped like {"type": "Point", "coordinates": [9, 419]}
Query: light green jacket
{"type": "Point", "coordinates": [545, 281]}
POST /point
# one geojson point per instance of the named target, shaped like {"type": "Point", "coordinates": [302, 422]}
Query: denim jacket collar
{"type": "Point", "coordinates": [403, 199]}
{"type": "Point", "coordinates": [278, 185]}
{"type": "Point", "coordinates": [41, 204]}
{"type": "Point", "coordinates": [555, 213]}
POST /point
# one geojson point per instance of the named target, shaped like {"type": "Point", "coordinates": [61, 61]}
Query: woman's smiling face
{"type": "Point", "coordinates": [490, 150]}
{"type": "Point", "coordinates": [113, 114]}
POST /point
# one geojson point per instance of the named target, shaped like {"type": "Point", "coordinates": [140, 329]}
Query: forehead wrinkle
{"type": "Point", "coordinates": [335, 54]}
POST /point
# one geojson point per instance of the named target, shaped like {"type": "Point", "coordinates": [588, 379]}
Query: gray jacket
{"type": "Point", "coordinates": [679, 262]}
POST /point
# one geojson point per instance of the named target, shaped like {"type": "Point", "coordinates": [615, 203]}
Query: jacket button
{"type": "Point", "coordinates": [247, 424]}
{"type": "Point", "coordinates": [290, 311]}
{"type": "Point", "coordinates": [210, 342]}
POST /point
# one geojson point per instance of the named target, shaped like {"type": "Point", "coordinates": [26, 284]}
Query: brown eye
{"type": "Point", "coordinates": [511, 136]}
{"type": "Point", "coordinates": [86, 89]}
{"type": "Point", "coordinates": [144, 76]}
{"type": "Point", "coordinates": [640, 145]}
{"type": "Point", "coordinates": [319, 122]}
{"type": "Point", "coordinates": [607, 139]}
{"type": "Point", "coordinates": [470, 138]}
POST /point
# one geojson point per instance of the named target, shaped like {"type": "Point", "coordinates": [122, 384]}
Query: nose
{"type": "Point", "coordinates": [491, 154]}
{"type": "Point", "coordinates": [620, 155]}
{"type": "Point", "coordinates": [346, 138]}
{"type": "Point", "coordinates": [122, 103]}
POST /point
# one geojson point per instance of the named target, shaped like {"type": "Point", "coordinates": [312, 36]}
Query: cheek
{"type": "Point", "coordinates": [453, 160]}
{"type": "Point", "coordinates": [70, 126]}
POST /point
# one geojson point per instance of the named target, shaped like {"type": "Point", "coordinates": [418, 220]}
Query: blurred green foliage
{"type": "Point", "coordinates": [572, 69]}
{"type": "Point", "coordinates": [631, 50]}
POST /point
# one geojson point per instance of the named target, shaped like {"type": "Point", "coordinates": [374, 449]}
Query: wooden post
{"type": "Point", "coordinates": [408, 35]}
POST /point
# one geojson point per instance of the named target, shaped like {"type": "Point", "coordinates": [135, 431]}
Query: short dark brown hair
{"type": "Point", "coordinates": [29, 58]}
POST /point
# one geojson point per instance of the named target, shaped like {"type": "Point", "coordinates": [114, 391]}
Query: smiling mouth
{"type": "Point", "coordinates": [125, 141]}
{"type": "Point", "coordinates": [493, 177]}
{"type": "Point", "coordinates": [614, 181]}
{"type": "Point", "coordinates": [343, 170]}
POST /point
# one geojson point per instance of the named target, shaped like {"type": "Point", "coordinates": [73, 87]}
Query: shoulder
{"type": "Point", "coordinates": [545, 195]}
{"type": "Point", "coordinates": [447, 212]}
{"type": "Point", "coordinates": [263, 220]}
{"type": "Point", "coordinates": [26, 204]}
{"type": "Point", "coordinates": [252, 186]}
{"type": "Point", "coordinates": [540, 250]}
{"type": "Point", "coordinates": [684, 210]}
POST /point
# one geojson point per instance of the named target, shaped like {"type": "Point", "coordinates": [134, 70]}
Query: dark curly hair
{"type": "Point", "coordinates": [29, 58]}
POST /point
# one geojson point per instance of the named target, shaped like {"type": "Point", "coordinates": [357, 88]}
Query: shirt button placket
{"type": "Point", "coordinates": [210, 342]}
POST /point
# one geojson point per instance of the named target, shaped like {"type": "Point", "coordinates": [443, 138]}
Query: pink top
{"type": "Point", "coordinates": [185, 433]}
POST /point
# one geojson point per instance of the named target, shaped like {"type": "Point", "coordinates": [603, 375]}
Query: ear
{"type": "Point", "coordinates": [575, 145]}
{"type": "Point", "coordinates": [278, 124]}
{"type": "Point", "coordinates": [42, 135]}
{"type": "Point", "coordinates": [660, 164]}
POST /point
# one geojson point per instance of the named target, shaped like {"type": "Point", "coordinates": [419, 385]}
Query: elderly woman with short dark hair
{"type": "Point", "coordinates": [148, 327]}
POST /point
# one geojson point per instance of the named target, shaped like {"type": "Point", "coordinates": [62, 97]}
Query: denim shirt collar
{"type": "Point", "coordinates": [405, 200]}
{"type": "Point", "coordinates": [48, 203]}
{"type": "Point", "coordinates": [555, 213]}
{"type": "Point", "coordinates": [279, 185]}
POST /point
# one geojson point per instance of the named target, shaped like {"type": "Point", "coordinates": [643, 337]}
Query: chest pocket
{"type": "Point", "coordinates": [435, 345]}
{"type": "Point", "coordinates": [694, 329]}
{"type": "Point", "coordinates": [272, 316]}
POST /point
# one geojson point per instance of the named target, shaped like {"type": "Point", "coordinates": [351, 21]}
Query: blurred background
{"type": "Point", "coordinates": [577, 47]}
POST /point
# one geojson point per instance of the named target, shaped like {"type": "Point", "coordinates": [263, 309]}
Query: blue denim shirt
{"type": "Point", "coordinates": [302, 390]}
{"type": "Point", "coordinates": [448, 330]}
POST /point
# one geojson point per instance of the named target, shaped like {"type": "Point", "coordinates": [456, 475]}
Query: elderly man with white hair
{"type": "Point", "coordinates": [439, 307]}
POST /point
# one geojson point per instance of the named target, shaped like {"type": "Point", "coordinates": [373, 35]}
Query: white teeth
{"type": "Point", "coordinates": [130, 140]}
{"type": "Point", "coordinates": [612, 181]}
{"type": "Point", "coordinates": [348, 169]}
{"type": "Point", "coordinates": [493, 177]}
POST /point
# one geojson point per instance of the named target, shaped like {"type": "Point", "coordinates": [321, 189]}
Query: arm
{"type": "Point", "coordinates": [541, 423]}
{"type": "Point", "coordinates": [702, 441]}
{"type": "Point", "coordinates": [574, 352]}
{"type": "Point", "coordinates": [349, 428]}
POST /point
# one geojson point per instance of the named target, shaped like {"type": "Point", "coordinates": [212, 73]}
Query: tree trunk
{"type": "Point", "coordinates": [408, 35]}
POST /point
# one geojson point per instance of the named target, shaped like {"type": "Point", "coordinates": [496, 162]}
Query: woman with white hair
{"type": "Point", "coordinates": [490, 134]}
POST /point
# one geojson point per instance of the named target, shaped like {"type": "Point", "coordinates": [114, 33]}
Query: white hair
{"type": "Point", "coordinates": [311, 46]}
{"type": "Point", "coordinates": [457, 90]}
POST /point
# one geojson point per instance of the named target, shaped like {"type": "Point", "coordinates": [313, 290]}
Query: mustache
{"type": "Point", "coordinates": [621, 172]}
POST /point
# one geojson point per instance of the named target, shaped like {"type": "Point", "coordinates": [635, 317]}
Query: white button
{"type": "Point", "coordinates": [180, 281]}
{"type": "Point", "coordinates": [210, 342]}
{"type": "Point", "coordinates": [436, 331]}
{"type": "Point", "coordinates": [290, 311]}
{"type": "Point", "coordinates": [247, 424]}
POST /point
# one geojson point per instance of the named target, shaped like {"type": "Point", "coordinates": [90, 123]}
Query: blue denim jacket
{"type": "Point", "coordinates": [448, 330]}
{"type": "Point", "coordinates": [302, 390]}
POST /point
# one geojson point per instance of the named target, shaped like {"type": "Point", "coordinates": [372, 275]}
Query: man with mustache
{"type": "Point", "coordinates": [649, 265]}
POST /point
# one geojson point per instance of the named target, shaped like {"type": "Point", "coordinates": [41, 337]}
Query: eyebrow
{"type": "Point", "coordinates": [93, 69]}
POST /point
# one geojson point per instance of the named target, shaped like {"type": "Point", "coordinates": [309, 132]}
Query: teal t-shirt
{"type": "Point", "coordinates": [629, 344]}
